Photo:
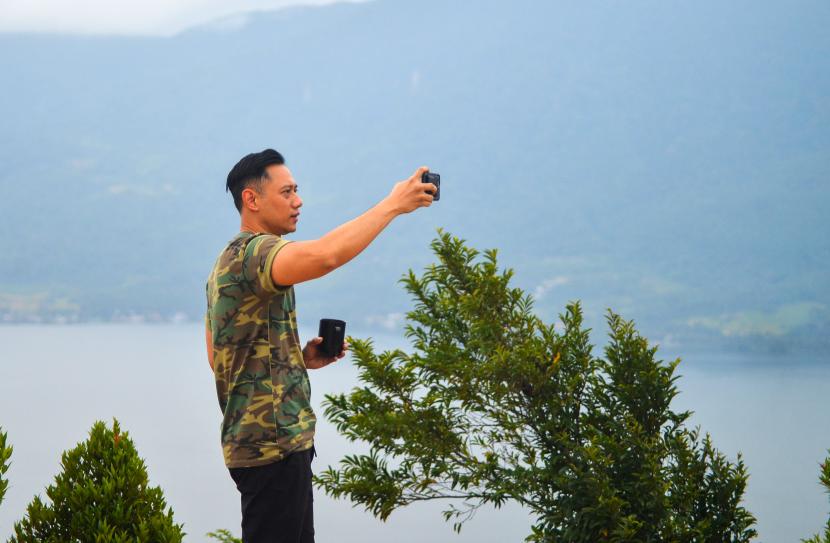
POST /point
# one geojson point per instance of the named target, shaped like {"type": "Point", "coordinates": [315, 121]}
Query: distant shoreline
{"type": "Point", "coordinates": [714, 355]}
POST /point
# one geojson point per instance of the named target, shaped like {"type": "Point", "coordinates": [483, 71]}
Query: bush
{"type": "Point", "coordinates": [224, 536]}
{"type": "Point", "coordinates": [5, 455]}
{"type": "Point", "coordinates": [824, 478]}
{"type": "Point", "coordinates": [101, 496]}
{"type": "Point", "coordinates": [494, 405]}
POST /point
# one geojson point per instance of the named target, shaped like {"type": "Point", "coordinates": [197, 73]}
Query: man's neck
{"type": "Point", "coordinates": [248, 225]}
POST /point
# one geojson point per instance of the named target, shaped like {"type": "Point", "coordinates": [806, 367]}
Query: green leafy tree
{"type": "Point", "coordinates": [5, 456]}
{"type": "Point", "coordinates": [224, 536]}
{"type": "Point", "coordinates": [493, 405]}
{"type": "Point", "coordinates": [102, 495]}
{"type": "Point", "coordinates": [825, 481]}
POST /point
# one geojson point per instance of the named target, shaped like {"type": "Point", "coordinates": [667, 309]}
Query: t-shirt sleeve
{"type": "Point", "coordinates": [259, 257]}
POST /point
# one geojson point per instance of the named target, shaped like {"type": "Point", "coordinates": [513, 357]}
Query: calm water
{"type": "Point", "coordinates": [55, 381]}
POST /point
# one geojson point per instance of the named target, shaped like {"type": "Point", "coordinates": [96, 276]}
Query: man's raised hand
{"type": "Point", "coordinates": [410, 194]}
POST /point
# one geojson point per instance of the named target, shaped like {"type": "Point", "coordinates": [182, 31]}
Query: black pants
{"type": "Point", "coordinates": [277, 500]}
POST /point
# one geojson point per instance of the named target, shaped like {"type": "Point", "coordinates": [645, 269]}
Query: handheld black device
{"type": "Point", "coordinates": [333, 332]}
{"type": "Point", "coordinates": [435, 179]}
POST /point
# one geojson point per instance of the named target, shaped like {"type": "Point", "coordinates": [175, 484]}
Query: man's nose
{"type": "Point", "coordinates": [299, 202]}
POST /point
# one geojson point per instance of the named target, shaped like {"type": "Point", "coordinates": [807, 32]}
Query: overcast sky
{"type": "Point", "coordinates": [126, 17]}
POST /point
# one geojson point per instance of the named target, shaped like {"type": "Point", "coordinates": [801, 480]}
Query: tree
{"type": "Point", "coordinates": [224, 536]}
{"type": "Point", "coordinates": [494, 405]}
{"type": "Point", "coordinates": [102, 495]}
{"type": "Point", "coordinates": [5, 455]}
{"type": "Point", "coordinates": [824, 478]}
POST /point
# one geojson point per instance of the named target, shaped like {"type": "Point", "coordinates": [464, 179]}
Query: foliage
{"type": "Point", "coordinates": [224, 536]}
{"type": "Point", "coordinates": [102, 496]}
{"type": "Point", "coordinates": [824, 478]}
{"type": "Point", "coordinates": [493, 405]}
{"type": "Point", "coordinates": [5, 455]}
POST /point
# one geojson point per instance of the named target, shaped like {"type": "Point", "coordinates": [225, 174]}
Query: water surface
{"type": "Point", "coordinates": [55, 381]}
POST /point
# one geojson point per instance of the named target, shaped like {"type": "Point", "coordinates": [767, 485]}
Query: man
{"type": "Point", "coordinates": [254, 348]}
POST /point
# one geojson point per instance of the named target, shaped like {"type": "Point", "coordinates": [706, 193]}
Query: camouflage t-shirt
{"type": "Point", "coordinates": [261, 379]}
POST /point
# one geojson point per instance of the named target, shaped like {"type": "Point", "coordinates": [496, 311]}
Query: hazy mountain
{"type": "Point", "coordinates": [668, 160]}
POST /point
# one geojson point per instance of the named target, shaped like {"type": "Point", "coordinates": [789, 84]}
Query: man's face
{"type": "Point", "coordinates": [279, 203]}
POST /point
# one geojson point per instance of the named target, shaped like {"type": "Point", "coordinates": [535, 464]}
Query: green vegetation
{"type": "Point", "coordinates": [493, 405]}
{"type": "Point", "coordinates": [5, 456]}
{"type": "Point", "coordinates": [825, 481]}
{"type": "Point", "coordinates": [102, 496]}
{"type": "Point", "coordinates": [224, 536]}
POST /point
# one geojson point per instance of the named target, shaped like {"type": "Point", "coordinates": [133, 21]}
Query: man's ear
{"type": "Point", "coordinates": [250, 199]}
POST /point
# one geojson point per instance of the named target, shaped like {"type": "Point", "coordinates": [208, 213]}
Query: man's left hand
{"type": "Point", "coordinates": [314, 359]}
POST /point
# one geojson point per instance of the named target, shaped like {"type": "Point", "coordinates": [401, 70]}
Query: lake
{"type": "Point", "coordinates": [55, 381]}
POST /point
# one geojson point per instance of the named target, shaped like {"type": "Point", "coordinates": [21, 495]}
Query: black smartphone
{"type": "Point", "coordinates": [333, 332]}
{"type": "Point", "coordinates": [435, 179]}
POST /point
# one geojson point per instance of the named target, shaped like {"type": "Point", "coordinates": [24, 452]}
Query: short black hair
{"type": "Point", "coordinates": [250, 171]}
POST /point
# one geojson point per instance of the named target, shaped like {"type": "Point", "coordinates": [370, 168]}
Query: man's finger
{"type": "Point", "coordinates": [419, 172]}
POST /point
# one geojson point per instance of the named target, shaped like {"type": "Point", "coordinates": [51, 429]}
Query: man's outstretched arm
{"type": "Point", "coordinates": [305, 260]}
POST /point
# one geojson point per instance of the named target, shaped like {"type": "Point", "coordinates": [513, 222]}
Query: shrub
{"type": "Point", "coordinates": [824, 478]}
{"type": "Point", "coordinates": [5, 455]}
{"type": "Point", "coordinates": [494, 405]}
{"type": "Point", "coordinates": [101, 495]}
